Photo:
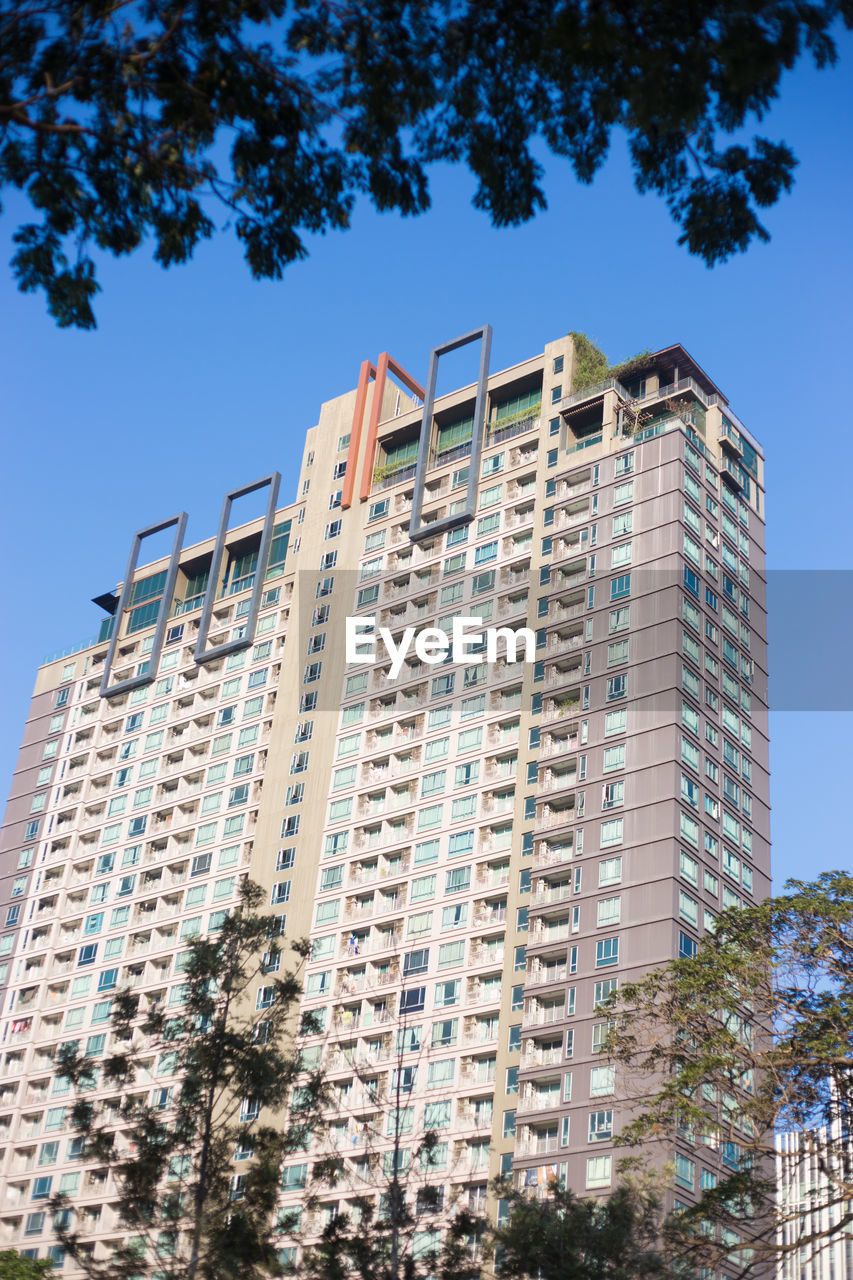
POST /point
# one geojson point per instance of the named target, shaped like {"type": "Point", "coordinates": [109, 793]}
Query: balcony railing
{"type": "Point", "coordinates": [500, 431]}
{"type": "Point", "coordinates": [384, 480]}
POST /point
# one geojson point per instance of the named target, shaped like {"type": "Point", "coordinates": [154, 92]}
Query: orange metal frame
{"type": "Point", "coordinates": [379, 373]}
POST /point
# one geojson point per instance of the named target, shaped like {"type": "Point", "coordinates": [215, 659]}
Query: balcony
{"type": "Point", "coordinates": [473, 1117]}
{"type": "Point", "coordinates": [540, 935]}
{"type": "Point", "coordinates": [549, 817]}
{"type": "Point", "coordinates": [559, 644]}
{"type": "Point", "coordinates": [540, 975]}
{"type": "Point", "coordinates": [559, 708]}
{"type": "Point", "coordinates": [553, 745]}
{"type": "Point", "coordinates": [488, 918]}
{"type": "Point", "coordinates": [531, 1099]}
{"type": "Point", "coordinates": [592, 392]}
{"type": "Point", "coordinates": [498, 432]}
{"type": "Point", "coordinates": [542, 1015]}
{"type": "Point", "coordinates": [734, 472]}
{"type": "Point", "coordinates": [369, 946]}
{"type": "Point", "coordinates": [561, 611]}
{"type": "Point", "coordinates": [385, 477]}
{"type": "Point", "coordinates": [545, 897]}
{"type": "Point", "coordinates": [518, 576]}
{"type": "Point", "coordinates": [492, 877]}
{"type": "Point", "coordinates": [543, 1144]}
{"type": "Point", "coordinates": [563, 673]}
{"type": "Point", "coordinates": [557, 779]}
{"type": "Point", "coordinates": [486, 1034]}
{"type": "Point", "coordinates": [515, 519]}
{"type": "Point", "coordinates": [729, 438]}
{"type": "Point", "coordinates": [481, 955]}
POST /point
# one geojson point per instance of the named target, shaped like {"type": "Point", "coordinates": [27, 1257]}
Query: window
{"type": "Point", "coordinates": [611, 833]}
{"type": "Point", "coordinates": [619, 619]}
{"type": "Point", "coordinates": [606, 952]}
{"type": "Point", "coordinates": [689, 868]}
{"type": "Point", "coordinates": [458, 880]}
{"type": "Point", "coordinates": [685, 1172]}
{"type": "Point", "coordinates": [621, 554]}
{"type": "Point", "coordinates": [688, 908]}
{"type": "Point", "coordinates": [603, 990]}
{"type": "Point", "coordinates": [413, 1000]}
{"type": "Point", "coordinates": [608, 912]}
{"type": "Point", "coordinates": [615, 722]}
{"type": "Point", "coordinates": [446, 995]}
{"type": "Point", "coordinates": [613, 794]}
{"type": "Point", "coordinates": [444, 1033]}
{"type": "Point", "coordinates": [598, 1171]}
{"type": "Point", "coordinates": [614, 758]}
{"type": "Point", "coordinates": [623, 493]}
{"type": "Point", "coordinates": [451, 953]}
{"type": "Point", "coordinates": [600, 1126]}
{"type": "Point", "coordinates": [461, 842]}
{"type": "Point", "coordinates": [617, 687]}
{"type": "Point", "coordinates": [415, 962]}
{"type": "Point", "coordinates": [689, 830]}
{"type": "Point", "coordinates": [620, 586]}
{"type": "Point", "coordinates": [609, 871]}
{"type": "Point", "coordinates": [689, 791]}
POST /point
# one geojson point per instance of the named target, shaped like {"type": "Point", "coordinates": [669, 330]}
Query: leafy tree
{"type": "Point", "coordinates": [391, 1218]}
{"type": "Point", "coordinates": [721, 1050]}
{"type": "Point", "coordinates": [13, 1266]}
{"type": "Point", "coordinates": [182, 1205]}
{"type": "Point", "coordinates": [123, 119]}
{"type": "Point", "coordinates": [382, 1244]}
{"type": "Point", "coordinates": [565, 1237]}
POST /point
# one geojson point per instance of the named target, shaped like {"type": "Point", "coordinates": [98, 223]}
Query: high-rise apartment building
{"type": "Point", "coordinates": [481, 849]}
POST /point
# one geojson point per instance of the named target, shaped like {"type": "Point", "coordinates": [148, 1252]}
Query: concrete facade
{"type": "Point", "coordinates": [477, 851]}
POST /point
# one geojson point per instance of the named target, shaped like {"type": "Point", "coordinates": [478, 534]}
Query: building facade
{"type": "Point", "coordinates": [481, 845]}
{"type": "Point", "coordinates": [813, 1183]}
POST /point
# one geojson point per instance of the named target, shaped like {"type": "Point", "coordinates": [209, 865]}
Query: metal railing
{"type": "Point", "coordinates": [498, 432]}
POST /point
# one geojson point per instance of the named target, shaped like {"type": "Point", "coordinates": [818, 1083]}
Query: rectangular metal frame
{"type": "Point", "coordinates": [384, 365]}
{"type": "Point", "coordinates": [231, 646]}
{"type": "Point", "coordinates": [180, 521]}
{"type": "Point", "coordinates": [379, 373]}
{"type": "Point", "coordinates": [417, 530]}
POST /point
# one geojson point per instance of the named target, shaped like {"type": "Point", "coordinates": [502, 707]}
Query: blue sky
{"type": "Point", "coordinates": [199, 379]}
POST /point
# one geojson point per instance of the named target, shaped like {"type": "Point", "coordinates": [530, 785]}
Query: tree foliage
{"type": "Point", "coordinates": [396, 1220]}
{"type": "Point", "coordinates": [591, 365]}
{"type": "Point", "coordinates": [565, 1237]}
{"type": "Point", "coordinates": [384, 1244]}
{"type": "Point", "coordinates": [127, 119]}
{"type": "Point", "coordinates": [751, 1035]}
{"type": "Point", "coordinates": [13, 1266]}
{"type": "Point", "coordinates": [171, 1153]}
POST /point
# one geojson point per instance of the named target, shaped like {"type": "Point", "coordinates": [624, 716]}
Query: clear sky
{"type": "Point", "coordinates": [200, 379]}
